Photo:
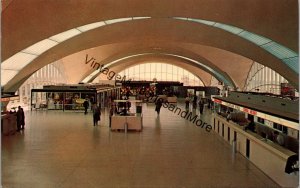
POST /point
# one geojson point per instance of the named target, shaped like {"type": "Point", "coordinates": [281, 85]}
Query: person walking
{"type": "Point", "coordinates": [158, 105]}
{"type": "Point", "coordinates": [96, 114]}
{"type": "Point", "coordinates": [201, 106]}
{"type": "Point", "coordinates": [195, 102]}
{"type": "Point", "coordinates": [22, 118]}
{"type": "Point", "coordinates": [111, 113]}
{"type": "Point", "coordinates": [187, 103]}
{"type": "Point", "coordinates": [19, 118]}
{"type": "Point", "coordinates": [86, 106]}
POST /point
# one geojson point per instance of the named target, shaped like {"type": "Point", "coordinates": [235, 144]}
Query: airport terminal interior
{"type": "Point", "coordinates": [131, 93]}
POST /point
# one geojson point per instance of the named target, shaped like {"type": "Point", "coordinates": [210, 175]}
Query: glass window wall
{"type": "Point", "coordinates": [162, 72]}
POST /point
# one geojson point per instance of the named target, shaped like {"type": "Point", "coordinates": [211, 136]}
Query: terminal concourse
{"type": "Point", "coordinates": [131, 93]}
{"type": "Point", "coordinates": [65, 150]}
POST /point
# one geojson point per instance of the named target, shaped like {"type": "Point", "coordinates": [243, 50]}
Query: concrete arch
{"type": "Point", "coordinates": [111, 34]}
{"type": "Point", "coordinates": [36, 24]}
{"type": "Point", "coordinates": [165, 57]}
{"type": "Point", "coordinates": [171, 52]}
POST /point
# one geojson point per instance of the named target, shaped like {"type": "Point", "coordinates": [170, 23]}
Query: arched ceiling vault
{"type": "Point", "coordinates": [153, 35]}
{"type": "Point", "coordinates": [37, 19]}
{"type": "Point", "coordinates": [158, 56]}
{"type": "Point", "coordinates": [181, 54]}
{"type": "Point", "coordinates": [199, 73]}
{"type": "Point", "coordinates": [160, 29]}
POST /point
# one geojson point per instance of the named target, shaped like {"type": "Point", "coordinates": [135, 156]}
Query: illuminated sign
{"type": "Point", "coordinates": [218, 101]}
{"type": "Point", "coordinates": [249, 111]}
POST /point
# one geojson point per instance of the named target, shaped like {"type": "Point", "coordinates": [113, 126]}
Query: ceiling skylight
{"type": "Point", "coordinates": [117, 20]}
{"type": "Point", "coordinates": [278, 50]}
{"type": "Point", "coordinates": [201, 21]}
{"type": "Point", "coordinates": [139, 18]}
{"type": "Point", "coordinates": [259, 40]}
{"type": "Point", "coordinates": [9, 74]}
{"type": "Point", "coordinates": [87, 78]}
{"type": "Point", "coordinates": [228, 28]}
{"type": "Point", "coordinates": [40, 47]}
{"type": "Point", "coordinates": [95, 73]}
{"type": "Point", "coordinates": [292, 62]}
{"type": "Point", "coordinates": [26, 56]}
{"type": "Point", "coordinates": [90, 26]}
{"type": "Point", "coordinates": [65, 35]}
{"type": "Point", "coordinates": [281, 52]}
{"type": "Point", "coordinates": [18, 61]}
{"type": "Point", "coordinates": [182, 18]}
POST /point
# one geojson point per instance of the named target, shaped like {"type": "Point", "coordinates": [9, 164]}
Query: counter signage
{"type": "Point", "coordinates": [218, 101]}
{"type": "Point", "coordinates": [231, 105]}
{"type": "Point", "coordinates": [252, 112]}
{"type": "Point", "coordinates": [261, 115]}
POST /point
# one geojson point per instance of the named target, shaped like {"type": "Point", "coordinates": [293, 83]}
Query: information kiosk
{"type": "Point", "coordinates": [123, 119]}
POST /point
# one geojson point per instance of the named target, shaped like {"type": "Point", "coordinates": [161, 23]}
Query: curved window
{"type": "Point", "coordinates": [264, 79]}
{"type": "Point", "coordinates": [50, 74]}
{"type": "Point", "coordinates": [161, 72]}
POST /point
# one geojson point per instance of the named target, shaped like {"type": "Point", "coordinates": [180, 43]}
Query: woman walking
{"type": "Point", "coordinates": [158, 105]}
{"type": "Point", "coordinates": [96, 114]}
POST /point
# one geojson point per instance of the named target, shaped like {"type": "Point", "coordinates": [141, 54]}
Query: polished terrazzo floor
{"type": "Point", "coordinates": [64, 149]}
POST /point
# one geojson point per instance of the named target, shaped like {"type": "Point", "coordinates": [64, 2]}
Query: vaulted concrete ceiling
{"type": "Point", "coordinates": [25, 23]}
{"type": "Point", "coordinates": [205, 77]}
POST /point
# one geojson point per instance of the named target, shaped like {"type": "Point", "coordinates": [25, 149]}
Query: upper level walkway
{"type": "Point", "coordinates": [63, 149]}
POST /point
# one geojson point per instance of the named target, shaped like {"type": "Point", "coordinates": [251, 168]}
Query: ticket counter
{"type": "Point", "coordinates": [8, 123]}
{"type": "Point", "coordinates": [269, 157]}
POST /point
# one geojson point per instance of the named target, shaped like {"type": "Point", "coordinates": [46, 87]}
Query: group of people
{"type": "Point", "coordinates": [159, 103]}
{"type": "Point", "coordinates": [194, 102]}
{"type": "Point", "coordinates": [275, 137]}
